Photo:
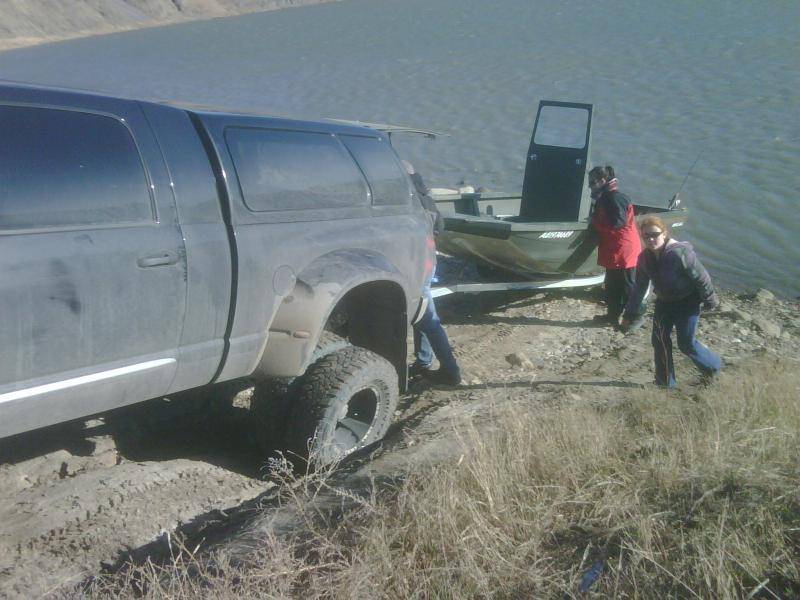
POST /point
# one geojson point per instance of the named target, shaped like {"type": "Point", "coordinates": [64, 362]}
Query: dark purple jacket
{"type": "Point", "coordinates": [676, 274]}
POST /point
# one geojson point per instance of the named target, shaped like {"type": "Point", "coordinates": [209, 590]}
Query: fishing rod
{"type": "Point", "coordinates": [689, 172]}
{"type": "Point", "coordinates": [676, 200]}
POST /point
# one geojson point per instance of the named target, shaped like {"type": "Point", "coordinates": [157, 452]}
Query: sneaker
{"type": "Point", "coordinates": [418, 369]}
{"type": "Point", "coordinates": [443, 377]}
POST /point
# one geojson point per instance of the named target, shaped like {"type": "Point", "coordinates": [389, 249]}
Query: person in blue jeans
{"type": "Point", "coordinates": [682, 286]}
{"type": "Point", "coordinates": [430, 339]}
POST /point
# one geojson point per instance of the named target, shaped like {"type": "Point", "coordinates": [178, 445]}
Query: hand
{"type": "Point", "coordinates": [710, 305]}
{"type": "Point", "coordinates": [625, 324]}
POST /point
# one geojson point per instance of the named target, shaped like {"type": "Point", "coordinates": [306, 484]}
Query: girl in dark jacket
{"type": "Point", "coordinates": [681, 285]}
{"type": "Point", "coordinates": [618, 244]}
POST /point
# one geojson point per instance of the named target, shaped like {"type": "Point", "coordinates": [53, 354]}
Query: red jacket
{"type": "Point", "coordinates": [613, 219]}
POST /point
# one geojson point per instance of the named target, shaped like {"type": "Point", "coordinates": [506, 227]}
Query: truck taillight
{"type": "Point", "coordinates": [430, 256]}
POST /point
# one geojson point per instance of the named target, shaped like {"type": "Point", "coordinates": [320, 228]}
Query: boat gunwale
{"type": "Point", "coordinates": [525, 226]}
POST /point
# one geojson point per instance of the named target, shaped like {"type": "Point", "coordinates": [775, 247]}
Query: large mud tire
{"type": "Point", "coordinates": [273, 398]}
{"type": "Point", "coordinates": [345, 401]}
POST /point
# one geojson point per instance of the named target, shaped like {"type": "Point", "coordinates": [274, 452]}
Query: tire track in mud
{"type": "Point", "coordinates": [68, 527]}
{"type": "Point", "coordinates": [80, 513]}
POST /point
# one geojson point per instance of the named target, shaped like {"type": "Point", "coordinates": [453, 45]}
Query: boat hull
{"type": "Point", "coordinates": [532, 249]}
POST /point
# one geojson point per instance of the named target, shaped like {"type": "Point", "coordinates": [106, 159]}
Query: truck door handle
{"type": "Point", "coordinates": [157, 260]}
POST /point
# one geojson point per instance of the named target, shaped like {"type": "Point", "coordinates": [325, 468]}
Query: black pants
{"type": "Point", "coordinates": [619, 285]}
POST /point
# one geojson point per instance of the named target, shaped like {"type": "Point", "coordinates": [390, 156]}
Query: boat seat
{"type": "Point", "coordinates": [468, 204]}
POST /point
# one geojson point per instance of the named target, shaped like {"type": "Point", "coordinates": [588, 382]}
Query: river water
{"type": "Point", "coordinates": [716, 83]}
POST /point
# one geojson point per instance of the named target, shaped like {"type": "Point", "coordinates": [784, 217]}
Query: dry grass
{"type": "Point", "coordinates": [665, 496]}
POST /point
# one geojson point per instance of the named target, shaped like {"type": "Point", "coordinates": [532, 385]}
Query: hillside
{"type": "Point", "coordinates": [28, 22]}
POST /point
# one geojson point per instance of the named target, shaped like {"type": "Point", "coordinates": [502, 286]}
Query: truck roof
{"type": "Point", "coordinates": [201, 109]}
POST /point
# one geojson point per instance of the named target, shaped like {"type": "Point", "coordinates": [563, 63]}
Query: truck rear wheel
{"type": "Point", "coordinates": [345, 401]}
{"type": "Point", "coordinates": [272, 398]}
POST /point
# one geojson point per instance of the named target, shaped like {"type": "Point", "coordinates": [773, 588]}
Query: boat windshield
{"type": "Point", "coordinates": [563, 126]}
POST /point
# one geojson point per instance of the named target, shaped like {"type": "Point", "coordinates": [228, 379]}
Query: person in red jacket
{"type": "Point", "coordinates": [619, 245]}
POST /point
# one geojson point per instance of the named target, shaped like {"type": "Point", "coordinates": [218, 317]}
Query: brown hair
{"type": "Point", "coordinates": [606, 172]}
{"type": "Point", "coordinates": [654, 221]}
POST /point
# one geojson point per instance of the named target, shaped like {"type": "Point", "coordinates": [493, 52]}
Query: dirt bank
{"type": "Point", "coordinates": [30, 22]}
{"type": "Point", "coordinates": [76, 497]}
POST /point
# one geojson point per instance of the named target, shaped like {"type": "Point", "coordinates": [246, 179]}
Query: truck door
{"type": "Point", "coordinates": [92, 267]}
{"type": "Point", "coordinates": [555, 170]}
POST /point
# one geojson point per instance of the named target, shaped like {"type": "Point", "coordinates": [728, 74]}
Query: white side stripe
{"type": "Point", "coordinates": [77, 381]}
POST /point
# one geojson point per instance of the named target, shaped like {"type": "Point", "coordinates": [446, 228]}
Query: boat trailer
{"type": "Point", "coordinates": [547, 284]}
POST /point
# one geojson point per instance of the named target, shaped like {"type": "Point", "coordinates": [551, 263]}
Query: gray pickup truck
{"type": "Point", "coordinates": [150, 248]}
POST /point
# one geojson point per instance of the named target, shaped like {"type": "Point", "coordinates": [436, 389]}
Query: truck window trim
{"type": "Point", "coordinates": [154, 212]}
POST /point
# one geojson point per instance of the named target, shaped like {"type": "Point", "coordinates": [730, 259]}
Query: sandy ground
{"type": "Point", "coordinates": [78, 498]}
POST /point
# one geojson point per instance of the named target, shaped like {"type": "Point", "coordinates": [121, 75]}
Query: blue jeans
{"type": "Point", "coordinates": [683, 316]}
{"type": "Point", "coordinates": [430, 339]}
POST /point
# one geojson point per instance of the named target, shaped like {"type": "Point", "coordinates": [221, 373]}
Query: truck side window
{"type": "Point", "coordinates": [388, 182]}
{"type": "Point", "coordinates": [294, 170]}
{"type": "Point", "coordinates": [65, 168]}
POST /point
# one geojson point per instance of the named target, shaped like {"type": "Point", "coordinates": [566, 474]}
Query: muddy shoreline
{"type": "Point", "coordinates": [80, 498]}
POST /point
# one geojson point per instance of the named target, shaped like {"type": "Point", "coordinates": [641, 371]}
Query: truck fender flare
{"type": "Point", "coordinates": [319, 289]}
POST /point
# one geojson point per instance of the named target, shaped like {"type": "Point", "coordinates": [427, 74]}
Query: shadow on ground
{"type": "Point", "coordinates": [481, 309]}
{"type": "Point", "coordinates": [203, 424]}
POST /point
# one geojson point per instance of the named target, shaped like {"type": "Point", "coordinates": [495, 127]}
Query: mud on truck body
{"type": "Point", "coordinates": [149, 248]}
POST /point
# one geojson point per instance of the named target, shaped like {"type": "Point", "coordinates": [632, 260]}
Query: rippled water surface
{"type": "Point", "coordinates": [671, 82]}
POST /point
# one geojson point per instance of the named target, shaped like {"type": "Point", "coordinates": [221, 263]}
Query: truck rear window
{"type": "Point", "coordinates": [294, 170]}
{"type": "Point", "coordinates": [389, 184]}
{"type": "Point", "coordinates": [65, 168]}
